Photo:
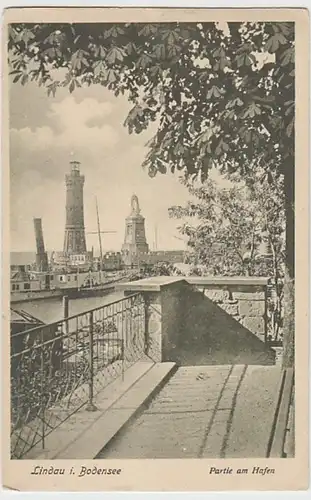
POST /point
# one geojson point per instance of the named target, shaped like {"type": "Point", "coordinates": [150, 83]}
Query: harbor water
{"type": "Point", "coordinates": [50, 310]}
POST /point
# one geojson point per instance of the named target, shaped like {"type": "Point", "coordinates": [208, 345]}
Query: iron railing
{"type": "Point", "coordinates": [57, 369]}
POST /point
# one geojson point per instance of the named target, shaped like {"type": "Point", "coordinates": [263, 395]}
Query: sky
{"type": "Point", "coordinates": [46, 133]}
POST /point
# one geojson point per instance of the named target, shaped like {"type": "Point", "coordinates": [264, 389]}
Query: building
{"type": "Point", "coordinates": [24, 280]}
{"type": "Point", "coordinates": [22, 260]}
{"type": "Point", "coordinates": [163, 256]}
{"type": "Point", "coordinates": [82, 261]}
{"type": "Point", "coordinates": [76, 280]}
{"type": "Point", "coordinates": [59, 261]}
{"type": "Point", "coordinates": [112, 261]}
{"type": "Point", "coordinates": [72, 263]}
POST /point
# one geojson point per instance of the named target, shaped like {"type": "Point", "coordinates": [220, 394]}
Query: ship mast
{"type": "Point", "coordinates": [99, 232]}
{"type": "Point", "coordinates": [99, 238]}
{"type": "Point", "coordinates": [156, 237]}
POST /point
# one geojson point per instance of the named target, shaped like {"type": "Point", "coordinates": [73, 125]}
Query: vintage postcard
{"type": "Point", "coordinates": [155, 258]}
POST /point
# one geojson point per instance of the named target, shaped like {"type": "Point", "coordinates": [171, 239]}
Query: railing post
{"type": "Point", "coordinates": [42, 388]}
{"type": "Point", "coordinates": [66, 311]}
{"type": "Point", "coordinates": [146, 323]}
{"type": "Point", "coordinates": [123, 337]}
{"type": "Point", "coordinates": [122, 358]}
{"type": "Point", "coordinates": [90, 405]}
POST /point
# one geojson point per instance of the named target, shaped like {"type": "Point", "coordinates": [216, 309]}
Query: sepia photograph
{"type": "Point", "coordinates": [152, 169]}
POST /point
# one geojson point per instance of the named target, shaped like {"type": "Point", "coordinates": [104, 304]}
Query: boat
{"type": "Point", "coordinates": [20, 321]}
{"type": "Point", "coordinates": [85, 292]}
{"type": "Point", "coordinates": [95, 290]}
{"type": "Point", "coordinates": [46, 282]}
{"type": "Point", "coordinates": [29, 296]}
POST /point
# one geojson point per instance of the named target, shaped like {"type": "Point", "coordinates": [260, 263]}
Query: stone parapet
{"type": "Point", "coordinates": [222, 281]}
{"type": "Point", "coordinates": [244, 298]}
{"type": "Point", "coordinates": [164, 312]}
{"type": "Point", "coordinates": [171, 303]}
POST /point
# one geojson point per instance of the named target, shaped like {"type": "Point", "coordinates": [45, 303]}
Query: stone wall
{"type": "Point", "coordinates": [245, 299]}
{"type": "Point", "coordinates": [165, 305]}
{"type": "Point", "coordinates": [154, 325]}
{"type": "Point", "coordinates": [173, 300]}
{"type": "Point", "coordinates": [187, 318]}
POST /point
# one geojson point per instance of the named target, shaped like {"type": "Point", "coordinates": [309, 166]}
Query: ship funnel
{"type": "Point", "coordinates": [41, 256]}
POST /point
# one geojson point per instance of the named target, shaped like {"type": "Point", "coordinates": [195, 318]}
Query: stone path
{"type": "Point", "coordinates": [77, 436]}
{"type": "Point", "coordinates": [204, 412]}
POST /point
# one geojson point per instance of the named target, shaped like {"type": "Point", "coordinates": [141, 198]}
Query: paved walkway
{"type": "Point", "coordinates": [77, 436]}
{"type": "Point", "coordinates": [204, 412]}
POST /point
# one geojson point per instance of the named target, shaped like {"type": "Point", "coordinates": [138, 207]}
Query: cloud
{"type": "Point", "coordinates": [32, 140]}
{"type": "Point", "coordinates": [48, 149]}
{"type": "Point", "coordinates": [69, 124]}
{"type": "Point", "coordinates": [71, 114]}
{"type": "Point", "coordinates": [39, 158]}
{"type": "Point", "coordinates": [90, 130]}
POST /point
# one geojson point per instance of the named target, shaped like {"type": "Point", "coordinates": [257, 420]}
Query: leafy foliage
{"type": "Point", "coordinates": [225, 227]}
{"type": "Point", "coordinates": [216, 103]}
{"type": "Point", "coordinates": [159, 269]}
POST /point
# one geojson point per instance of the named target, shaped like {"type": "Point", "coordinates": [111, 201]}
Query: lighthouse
{"type": "Point", "coordinates": [74, 241]}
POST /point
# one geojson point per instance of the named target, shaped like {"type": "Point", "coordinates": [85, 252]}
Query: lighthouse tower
{"type": "Point", "coordinates": [74, 241]}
